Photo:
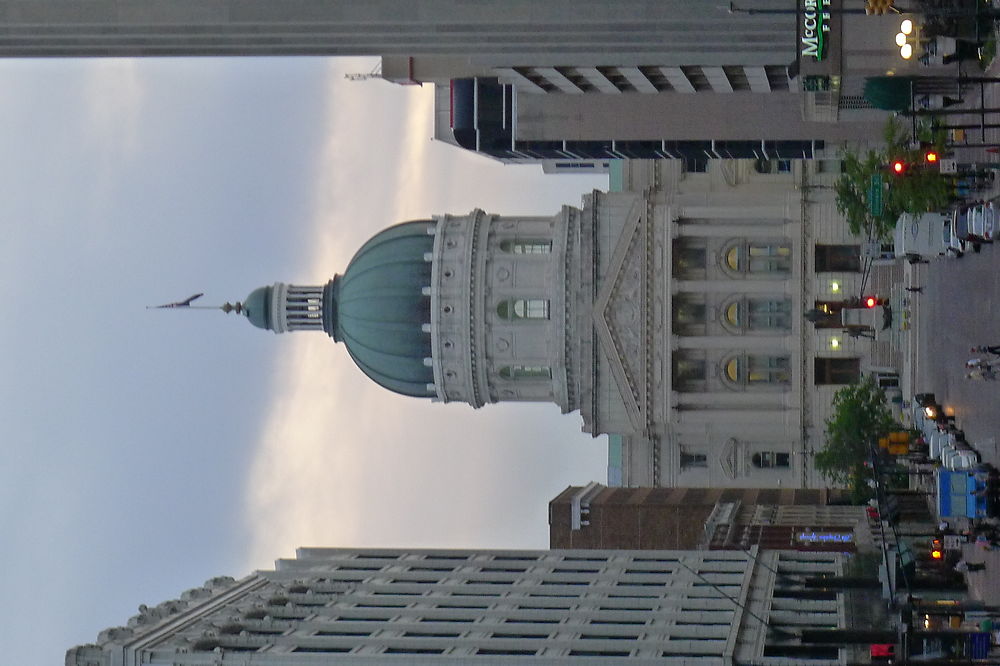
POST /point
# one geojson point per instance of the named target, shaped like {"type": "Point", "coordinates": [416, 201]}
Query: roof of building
{"type": "Point", "coordinates": [381, 309]}
{"type": "Point", "coordinates": [378, 308]}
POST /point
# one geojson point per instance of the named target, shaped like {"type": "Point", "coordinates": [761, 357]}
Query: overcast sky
{"type": "Point", "coordinates": [147, 451]}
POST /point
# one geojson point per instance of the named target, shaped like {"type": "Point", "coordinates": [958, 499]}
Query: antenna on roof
{"type": "Point", "coordinates": [376, 73]}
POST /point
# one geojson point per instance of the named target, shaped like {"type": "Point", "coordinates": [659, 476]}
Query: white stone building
{"type": "Point", "coordinates": [379, 606]}
{"type": "Point", "coordinates": [670, 312]}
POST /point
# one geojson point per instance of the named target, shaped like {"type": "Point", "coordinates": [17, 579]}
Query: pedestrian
{"type": "Point", "coordinates": [985, 349]}
{"type": "Point", "coordinates": [966, 567]}
{"type": "Point", "coordinates": [982, 374]}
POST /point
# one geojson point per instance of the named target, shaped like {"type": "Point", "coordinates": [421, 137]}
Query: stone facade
{"type": "Point", "coordinates": [671, 312]}
{"type": "Point", "coordinates": [382, 606]}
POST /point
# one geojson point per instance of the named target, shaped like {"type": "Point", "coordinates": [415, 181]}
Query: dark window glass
{"type": "Point", "coordinates": [837, 370]}
{"type": "Point", "coordinates": [838, 259]}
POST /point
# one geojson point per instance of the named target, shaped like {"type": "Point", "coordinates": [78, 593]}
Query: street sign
{"type": "Point", "coordinates": [948, 166]}
{"type": "Point", "coordinates": [875, 195]}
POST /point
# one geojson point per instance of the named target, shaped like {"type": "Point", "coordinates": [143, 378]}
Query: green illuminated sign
{"type": "Point", "coordinates": [815, 17]}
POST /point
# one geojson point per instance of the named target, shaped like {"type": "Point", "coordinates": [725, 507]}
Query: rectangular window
{"type": "Point", "coordinates": [526, 246]}
{"type": "Point", "coordinates": [414, 650]}
{"type": "Point", "coordinates": [501, 653]}
{"type": "Point", "coordinates": [463, 606]}
{"type": "Point", "coordinates": [500, 634]}
{"type": "Point", "coordinates": [838, 258]}
{"type": "Point", "coordinates": [689, 460]}
{"type": "Point", "coordinates": [523, 308]}
{"type": "Point", "coordinates": [430, 634]}
{"type": "Point", "coordinates": [427, 568]}
{"type": "Point", "coordinates": [502, 569]}
{"type": "Point", "coordinates": [317, 649]}
{"type": "Point", "coordinates": [380, 605]}
{"type": "Point", "coordinates": [622, 622]}
{"type": "Point", "coordinates": [608, 637]}
{"type": "Point", "coordinates": [837, 370]}
{"type": "Point", "coordinates": [767, 459]}
{"type": "Point", "coordinates": [525, 372]}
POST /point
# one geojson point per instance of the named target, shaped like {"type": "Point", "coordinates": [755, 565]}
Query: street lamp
{"type": "Point", "coordinates": [904, 39]}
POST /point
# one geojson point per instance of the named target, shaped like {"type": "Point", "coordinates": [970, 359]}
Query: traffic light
{"type": "Point", "coordinates": [898, 167]}
{"type": "Point", "coordinates": [870, 302]}
{"type": "Point", "coordinates": [931, 156]}
{"type": "Point", "coordinates": [937, 551]}
{"type": "Point", "coordinates": [879, 7]}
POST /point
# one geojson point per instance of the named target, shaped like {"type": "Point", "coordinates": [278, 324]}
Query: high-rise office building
{"type": "Point", "coordinates": [560, 80]}
{"type": "Point", "coordinates": [670, 312]}
{"type": "Point", "coordinates": [381, 606]}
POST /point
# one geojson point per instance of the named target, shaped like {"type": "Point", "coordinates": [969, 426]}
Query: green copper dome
{"type": "Point", "coordinates": [379, 308]}
{"type": "Point", "coordinates": [257, 307]}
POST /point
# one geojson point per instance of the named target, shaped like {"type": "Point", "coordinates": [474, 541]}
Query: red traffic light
{"type": "Point", "coordinates": [870, 301]}
{"type": "Point", "coordinates": [898, 167]}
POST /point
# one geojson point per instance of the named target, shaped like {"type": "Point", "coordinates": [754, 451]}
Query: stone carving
{"type": "Point", "coordinates": [624, 314]}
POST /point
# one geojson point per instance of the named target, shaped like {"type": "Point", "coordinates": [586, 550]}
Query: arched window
{"type": "Point", "coordinates": [525, 372]}
{"type": "Point", "coordinates": [526, 246]}
{"type": "Point", "coordinates": [759, 258]}
{"type": "Point", "coordinates": [768, 459]}
{"type": "Point", "coordinates": [759, 314]}
{"type": "Point", "coordinates": [523, 308]}
{"type": "Point", "coordinates": [758, 370]}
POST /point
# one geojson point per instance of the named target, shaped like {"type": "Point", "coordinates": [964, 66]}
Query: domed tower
{"type": "Point", "coordinates": [475, 308]}
{"type": "Point", "coordinates": [503, 307]}
{"type": "Point", "coordinates": [379, 308]}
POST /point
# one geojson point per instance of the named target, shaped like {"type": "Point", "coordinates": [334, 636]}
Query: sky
{"type": "Point", "coordinates": [149, 450]}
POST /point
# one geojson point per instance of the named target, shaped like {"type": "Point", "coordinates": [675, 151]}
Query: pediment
{"type": "Point", "coordinates": [621, 313]}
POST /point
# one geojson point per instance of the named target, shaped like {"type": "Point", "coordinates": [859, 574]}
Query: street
{"type": "Point", "coordinates": [960, 307]}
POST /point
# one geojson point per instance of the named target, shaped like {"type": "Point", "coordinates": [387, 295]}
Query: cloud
{"type": "Point", "coordinates": [343, 462]}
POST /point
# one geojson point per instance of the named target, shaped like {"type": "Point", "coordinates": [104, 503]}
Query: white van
{"type": "Point", "coordinates": [921, 237]}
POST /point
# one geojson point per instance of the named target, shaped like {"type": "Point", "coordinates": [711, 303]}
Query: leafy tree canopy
{"type": "Point", "coordinates": [919, 189]}
{"type": "Point", "coordinates": [860, 417]}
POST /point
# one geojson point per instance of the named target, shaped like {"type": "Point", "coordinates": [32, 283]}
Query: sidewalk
{"type": "Point", "coordinates": [983, 585]}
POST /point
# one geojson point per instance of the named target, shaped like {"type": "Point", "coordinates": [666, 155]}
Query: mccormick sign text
{"type": "Point", "coordinates": [814, 27]}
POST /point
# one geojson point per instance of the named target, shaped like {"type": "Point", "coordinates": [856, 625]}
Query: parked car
{"type": "Point", "coordinates": [920, 238]}
{"type": "Point", "coordinates": [954, 246]}
{"type": "Point", "coordinates": [960, 225]}
{"type": "Point", "coordinates": [982, 222]}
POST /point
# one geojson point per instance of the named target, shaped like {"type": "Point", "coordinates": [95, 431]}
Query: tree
{"type": "Point", "coordinates": [918, 189]}
{"type": "Point", "coordinates": [860, 417]}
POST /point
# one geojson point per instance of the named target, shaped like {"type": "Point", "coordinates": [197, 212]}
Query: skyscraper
{"type": "Point", "coordinates": [556, 80]}
{"type": "Point", "coordinates": [383, 606]}
{"type": "Point", "coordinates": [671, 312]}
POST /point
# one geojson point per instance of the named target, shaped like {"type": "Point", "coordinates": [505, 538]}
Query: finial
{"type": "Point", "coordinates": [186, 304]}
